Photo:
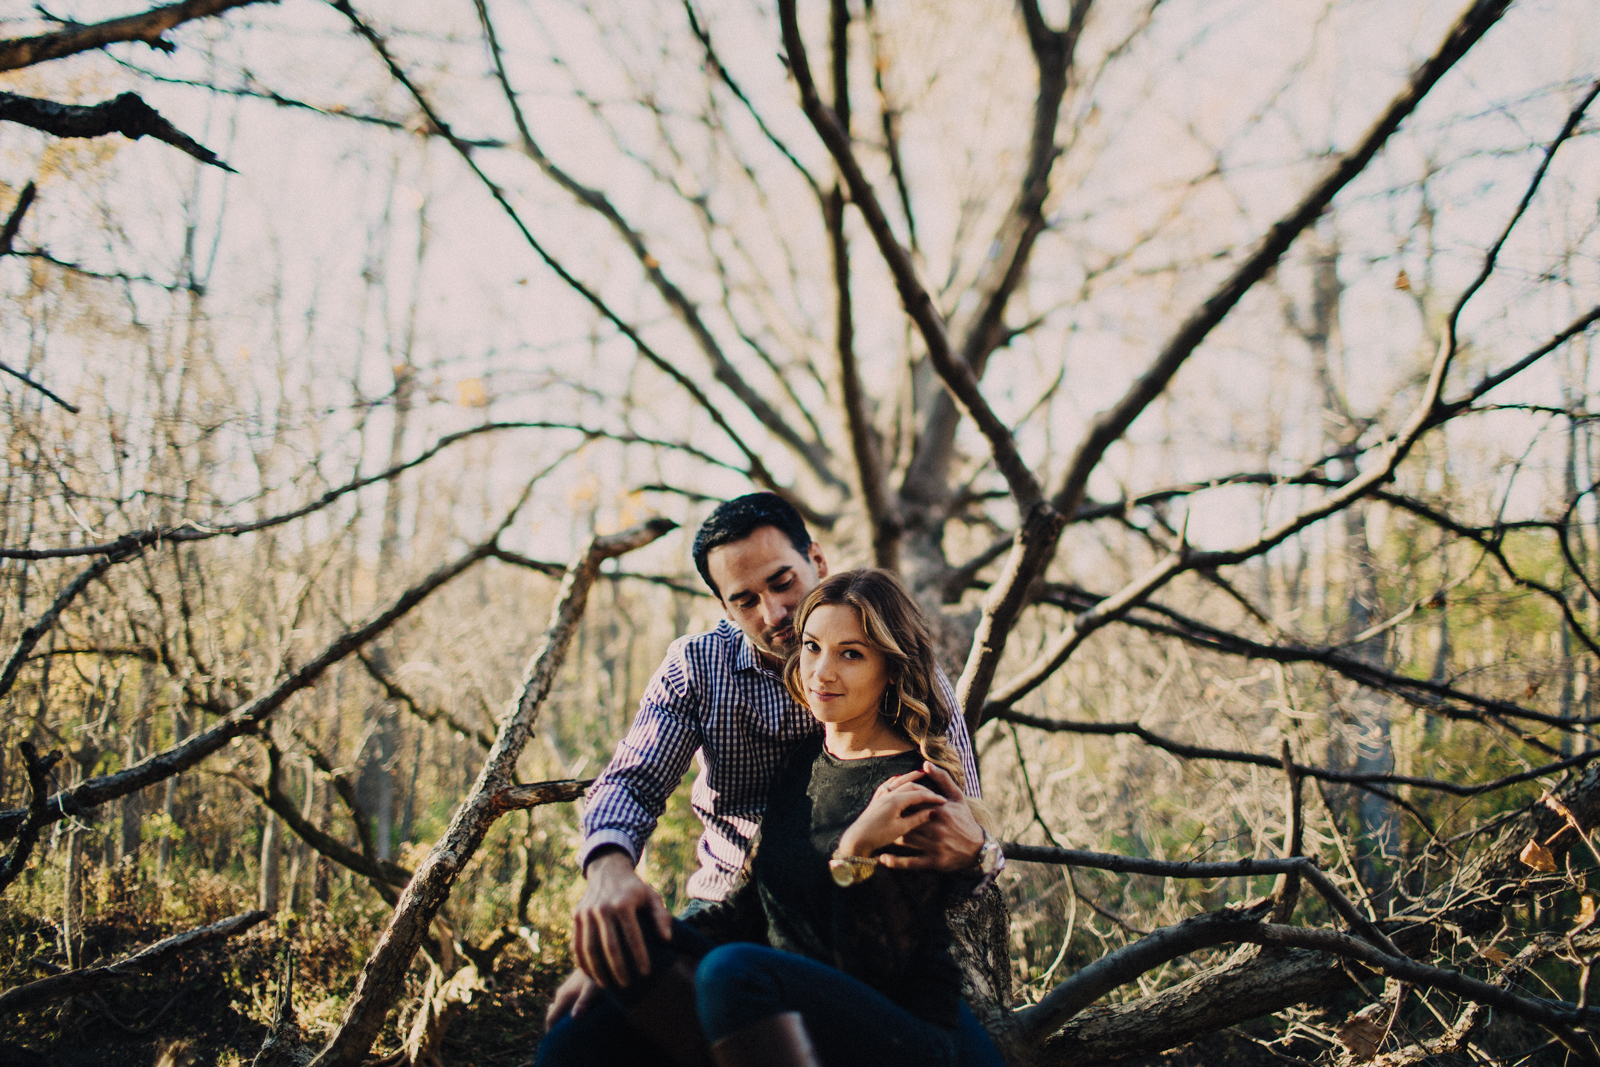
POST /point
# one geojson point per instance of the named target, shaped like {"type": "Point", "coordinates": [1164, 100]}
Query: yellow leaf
{"type": "Point", "coordinates": [1538, 857]}
{"type": "Point", "coordinates": [1403, 280]}
{"type": "Point", "coordinates": [471, 393]}
{"type": "Point", "coordinates": [1586, 911]}
{"type": "Point", "coordinates": [1360, 1037]}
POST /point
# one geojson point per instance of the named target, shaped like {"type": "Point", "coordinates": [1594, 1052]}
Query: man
{"type": "Point", "coordinates": [720, 694]}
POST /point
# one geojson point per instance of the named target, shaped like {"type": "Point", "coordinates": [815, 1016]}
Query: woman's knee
{"type": "Point", "coordinates": [735, 986]}
{"type": "Point", "coordinates": [730, 968]}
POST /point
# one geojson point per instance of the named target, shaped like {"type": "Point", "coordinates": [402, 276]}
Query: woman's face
{"type": "Point", "coordinates": [843, 676]}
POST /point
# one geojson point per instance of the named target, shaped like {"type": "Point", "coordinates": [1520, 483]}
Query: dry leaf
{"type": "Point", "coordinates": [1538, 857]}
{"type": "Point", "coordinates": [1403, 280]}
{"type": "Point", "coordinates": [1495, 956]}
{"type": "Point", "coordinates": [1586, 911]}
{"type": "Point", "coordinates": [472, 394]}
{"type": "Point", "coordinates": [650, 262]}
{"type": "Point", "coordinates": [1360, 1037]}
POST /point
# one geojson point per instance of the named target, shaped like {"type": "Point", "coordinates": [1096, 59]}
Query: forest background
{"type": "Point", "coordinates": [1217, 374]}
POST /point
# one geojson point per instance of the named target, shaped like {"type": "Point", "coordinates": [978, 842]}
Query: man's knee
{"type": "Point", "coordinates": [599, 1036]}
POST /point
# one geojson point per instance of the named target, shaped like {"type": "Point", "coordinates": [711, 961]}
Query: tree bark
{"type": "Point", "coordinates": [149, 26]}
{"type": "Point", "coordinates": [1254, 983]}
{"type": "Point", "coordinates": [383, 976]}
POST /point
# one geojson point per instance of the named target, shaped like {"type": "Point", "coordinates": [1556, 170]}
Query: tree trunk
{"type": "Point", "coordinates": [384, 973]}
{"type": "Point", "coordinates": [271, 864]}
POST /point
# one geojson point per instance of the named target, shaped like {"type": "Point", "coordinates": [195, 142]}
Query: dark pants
{"type": "Point", "coordinates": [602, 1035]}
{"type": "Point", "coordinates": [851, 1024]}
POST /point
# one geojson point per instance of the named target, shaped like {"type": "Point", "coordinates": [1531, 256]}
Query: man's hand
{"type": "Point", "coordinates": [605, 927]}
{"type": "Point", "coordinates": [951, 837]}
{"type": "Point", "coordinates": [573, 995]}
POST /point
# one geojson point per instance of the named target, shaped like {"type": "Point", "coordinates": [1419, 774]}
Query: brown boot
{"type": "Point", "coordinates": [776, 1041]}
{"type": "Point", "coordinates": [667, 1016]}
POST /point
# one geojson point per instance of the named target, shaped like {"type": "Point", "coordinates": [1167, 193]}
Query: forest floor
{"type": "Point", "coordinates": [213, 1005]}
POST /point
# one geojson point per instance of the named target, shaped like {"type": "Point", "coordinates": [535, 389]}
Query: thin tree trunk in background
{"type": "Point", "coordinates": [72, 890]}
{"type": "Point", "coordinates": [298, 851]}
{"type": "Point", "coordinates": [322, 881]}
{"type": "Point", "coordinates": [138, 739]}
{"type": "Point", "coordinates": [271, 864]}
{"type": "Point", "coordinates": [169, 800]}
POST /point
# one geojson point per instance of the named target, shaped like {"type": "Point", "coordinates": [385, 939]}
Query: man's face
{"type": "Point", "coordinates": [762, 579]}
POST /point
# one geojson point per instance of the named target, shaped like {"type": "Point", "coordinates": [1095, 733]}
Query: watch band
{"type": "Point", "coordinates": [991, 860]}
{"type": "Point", "coordinates": [849, 870]}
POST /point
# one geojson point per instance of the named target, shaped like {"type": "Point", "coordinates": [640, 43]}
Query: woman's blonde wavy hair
{"type": "Point", "coordinates": [912, 704]}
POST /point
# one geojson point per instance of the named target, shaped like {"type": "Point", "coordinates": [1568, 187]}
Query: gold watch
{"type": "Point", "coordinates": [848, 870]}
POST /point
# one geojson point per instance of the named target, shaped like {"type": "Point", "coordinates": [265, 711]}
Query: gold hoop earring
{"type": "Point", "coordinates": [891, 713]}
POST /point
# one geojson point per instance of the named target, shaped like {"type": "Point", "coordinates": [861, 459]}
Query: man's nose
{"type": "Point", "coordinates": [774, 612]}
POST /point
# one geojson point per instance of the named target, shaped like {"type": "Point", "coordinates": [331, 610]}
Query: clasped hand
{"type": "Point", "coordinates": [923, 811]}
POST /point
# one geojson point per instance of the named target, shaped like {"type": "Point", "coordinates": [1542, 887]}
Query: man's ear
{"type": "Point", "coordinates": [817, 560]}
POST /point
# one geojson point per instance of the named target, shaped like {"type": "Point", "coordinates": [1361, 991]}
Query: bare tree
{"type": "Point", "coordinates": [811, 307]}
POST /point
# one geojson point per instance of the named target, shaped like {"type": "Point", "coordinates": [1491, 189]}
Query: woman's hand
{"type": "Point", "coordinates": [898, 806]}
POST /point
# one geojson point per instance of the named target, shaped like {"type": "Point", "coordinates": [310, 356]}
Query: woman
{"type": "Point", "coordinates": [821, 954]}
{"type": "Point", "coordinates": [859, 969]}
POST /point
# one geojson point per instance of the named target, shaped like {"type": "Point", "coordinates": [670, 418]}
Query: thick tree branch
{"type": "Point", "coordinates": [88, 979]}
{"type": "Point", "coordinates": [913, 294]}
{"type": "Point", "coordinates": [494, 793]}
{"type": "Point", "coordinates": [1110, 425]}
{"type": "Point", "coordinates": [1040, 532]}
{"type": "Point", "coordinates": [1054, 53]}
{"type": "Point", "coordinates": [8, 232]}
{"type": "Point", "coordinates": [148, 27]}
{"type": "Point", "coordinates": [1243, 925]}
{"type": "Point", "coordinates": [1326, 774]}
{"type": "Point", "coordinates": [247, 717]}
{"type": "Point", "coordinates": [127, 114]}
{"type": "Point", "coordinates": [865, 445]}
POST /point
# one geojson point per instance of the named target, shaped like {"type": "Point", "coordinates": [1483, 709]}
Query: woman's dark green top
{"type": "Point", "coordinates": [889, 931]}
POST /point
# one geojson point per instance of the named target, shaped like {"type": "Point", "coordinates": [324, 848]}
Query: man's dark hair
{"type": "Point", "coordinates": [736, 519]}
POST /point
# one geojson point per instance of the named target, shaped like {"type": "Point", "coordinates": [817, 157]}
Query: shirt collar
{"type": "Point", "coordinates": [745, 657]}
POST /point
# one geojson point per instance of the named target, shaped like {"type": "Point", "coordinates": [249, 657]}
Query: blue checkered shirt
{"type": "Point", "coordinates": [711, 695]}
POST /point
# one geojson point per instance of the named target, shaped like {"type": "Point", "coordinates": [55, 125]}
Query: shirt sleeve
{"type": "Point", "coordinates": [650, 760]}
{"type": "Point", "coordinates": [960, 740]}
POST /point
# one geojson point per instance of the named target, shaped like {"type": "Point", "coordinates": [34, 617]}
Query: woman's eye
{"type": "Point", "coordinates": [811, 646]}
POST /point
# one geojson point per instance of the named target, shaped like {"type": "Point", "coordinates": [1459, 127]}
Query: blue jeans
{"type": "Point", "coordinates": [850, 1023]}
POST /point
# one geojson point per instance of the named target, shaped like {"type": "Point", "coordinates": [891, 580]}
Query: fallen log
{"type": "Point", "coordinates": [90, 979]}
